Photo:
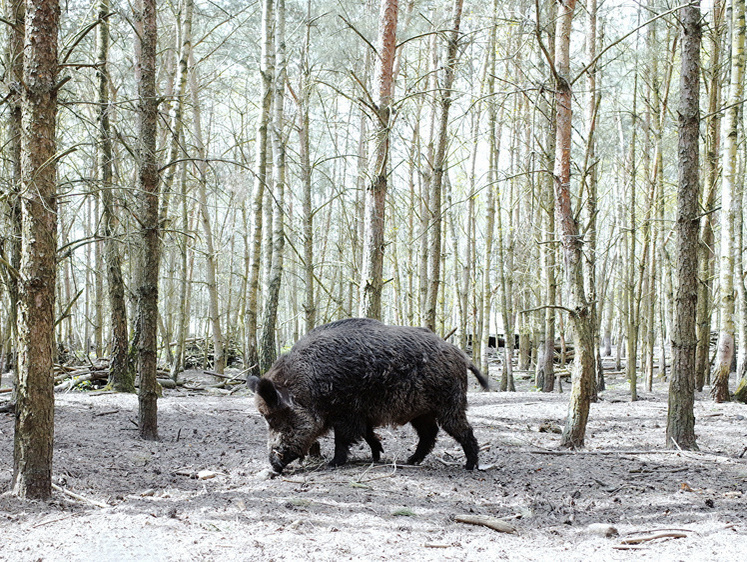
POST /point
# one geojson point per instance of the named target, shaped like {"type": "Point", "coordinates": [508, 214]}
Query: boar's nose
{"type": "Point", "coordinates": [278, 461]}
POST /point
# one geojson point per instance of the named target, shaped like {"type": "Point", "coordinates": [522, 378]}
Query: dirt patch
{"type": "Point", "coordinates": [198, 494]}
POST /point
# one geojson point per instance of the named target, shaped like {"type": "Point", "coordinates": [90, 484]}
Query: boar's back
{"type": "Point", "coordinates": [387, 374]}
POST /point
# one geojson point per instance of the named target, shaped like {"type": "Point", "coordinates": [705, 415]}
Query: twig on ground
{"type": "Point", "coordinates": [490, 522]}
{"type": "Point", "coordinates": [656, 536]}
{"type": "Point", "coordinates": [78, 496]}
{"type": "Point", "coordinates": [97, 414]}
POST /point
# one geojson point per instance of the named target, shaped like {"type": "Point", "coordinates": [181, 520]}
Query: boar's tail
{"type": "Point", "coordinates": [479, 376]}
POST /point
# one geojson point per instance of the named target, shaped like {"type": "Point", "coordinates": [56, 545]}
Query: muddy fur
{"type": "Point", "coordinates": [354, 375]}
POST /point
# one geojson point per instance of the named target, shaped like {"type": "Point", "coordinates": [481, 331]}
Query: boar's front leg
{"type": "Point", "coordinates": [427, 429]}
{"type": "Point", "coordinates": [347, 432]}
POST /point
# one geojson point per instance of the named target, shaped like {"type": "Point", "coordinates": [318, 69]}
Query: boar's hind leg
{"type": "Point", "coordinates": [373, 441]}
{"type": "Point", "coordinates": [427, 429]}
{"type": "Point", "coordinates": [460, 429]}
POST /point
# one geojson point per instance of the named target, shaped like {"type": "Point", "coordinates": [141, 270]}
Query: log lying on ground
{"type": "Point", "coordinates": [74, 381]}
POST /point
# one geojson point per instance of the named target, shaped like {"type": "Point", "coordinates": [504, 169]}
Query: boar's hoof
{"type": "Point", "coordinates": [414, 460]}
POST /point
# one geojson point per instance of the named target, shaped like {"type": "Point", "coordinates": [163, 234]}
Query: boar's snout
{"type": "Point", "coordinates": [280, 459]}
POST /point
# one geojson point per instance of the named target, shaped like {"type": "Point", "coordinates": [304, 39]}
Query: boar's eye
{"type": "Point", "coordinates": [277, 420]}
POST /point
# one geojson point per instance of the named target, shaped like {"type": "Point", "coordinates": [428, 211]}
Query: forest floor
{"type": "Point", "coordinates": [200, 493]}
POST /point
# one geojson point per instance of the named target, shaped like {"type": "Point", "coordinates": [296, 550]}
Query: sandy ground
{"type": "Point", "coordinates": [199, 493]}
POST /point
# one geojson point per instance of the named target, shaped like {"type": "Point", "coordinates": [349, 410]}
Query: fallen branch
{"type": "Point", "coordinates": [236, 377]}
{"type": "Point", "coordinates": [490, 522]}
{"type": "Point", "coordinates": [75, 381]}
{"type": "Point", "coordinates": [78, 496]}
{"type": "Point", "coordinates": [648, 538]}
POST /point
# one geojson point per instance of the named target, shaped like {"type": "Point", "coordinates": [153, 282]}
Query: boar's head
{"type": "Point", "coordinates": [292, 429]}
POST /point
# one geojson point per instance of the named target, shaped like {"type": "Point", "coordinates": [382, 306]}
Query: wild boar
{"type": "Point", "coordinates": [354, 375]}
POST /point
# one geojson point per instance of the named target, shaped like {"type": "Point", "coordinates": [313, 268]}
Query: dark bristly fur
{"type": "Point", "coordinates": [354, 375]}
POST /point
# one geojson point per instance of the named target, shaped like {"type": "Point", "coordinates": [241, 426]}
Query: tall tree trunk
{"type": "Point", "coordinates": [633, 297]}
{"type": "Point", "coordinates": [121, 375]}
{"type": "Point", "coordinates": [17, 11]}
{"type": "Point", "coordinates": [211, 258]}
{"type": "Point", "coordinates": [740, 393]}
{"type": "Point", "coordinates": [175, 93]}
{"type": "Point", "coordinates": [185, 255]}
{"type": "Point", "coordinates": [268, 349]}
{"type": "Point", "coordinates": [439, 165]}
{"type": "Point", "coordinates": [184, 21]}
{"type": "Point", "coordinates": [34, 426]}
{"type": "Point", "coordinates": [706, 255]}
{"type": "Point", "coordinates": [726, 343]}
{"type": "Point", "coordinates": [148, 256]}
{"type": "Point", "coordinates": [549, 248]}
{"type": "Point", "coordinates": [375, 205]}
{"type": "Point", "coordinates": [590, 184]}
{"type": "Point", "coordinates": [680, 416]}
{"type": "Point", "coordinates": [583, 364]}
{"type": "Point", "coordinates": [267, 69]}
{"type": "Point", "coordinates": [309, 303]}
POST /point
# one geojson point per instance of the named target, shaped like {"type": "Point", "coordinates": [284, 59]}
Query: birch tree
{"type": "Point", "coordinates": [267, 70]}
{"type": "Point", "coordinates": [706, 256]}
{"type": "Point", "coordinates": [726, 342]}
{"type": "Point", "coordinates": [268, 349]}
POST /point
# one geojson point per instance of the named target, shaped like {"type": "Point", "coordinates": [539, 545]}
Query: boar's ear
{"type": "Point", "coordinates": [252, 383]}
{"type": "Point", "coordinates": [273, 396]}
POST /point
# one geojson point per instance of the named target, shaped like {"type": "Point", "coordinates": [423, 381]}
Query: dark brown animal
{"type": "Point", "coordinates": [354, 375]}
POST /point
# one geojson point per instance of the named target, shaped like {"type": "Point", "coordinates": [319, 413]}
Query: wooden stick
{"type": "Point", "coordinates": [647, 538]}
{"type": "Point", "coordinates": [79, 497]}
{"type": "Point", "coordinates": [490, 522]}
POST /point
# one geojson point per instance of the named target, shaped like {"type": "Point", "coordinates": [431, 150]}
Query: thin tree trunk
{"type": "Point", "coordinates": [148, 256]}
{"type": "Point", "coordinates": [182, 328]}
{"type": "Point", "coordinates": [211, 265]}
{"type": "Point", "coordinates": [741, 392]}
{"type": "Point", "coordinates": [177, 106]}
{"type": "Point", "coordinates": [309, 303]}
{"type": "Point", "coordinates": [17, 11]}
{"type": "Point", "coordinates": [439, 166]}
{"type": "Point", "coordinates": [268, 349]}
{"type": "Point", "coordinates": [251, 358]}
{"type": "Point", "coordinates": [375, 206]}
{"type": "Point", "coordinates": [590, 183]}
{"type": "Point", "coordinates": [549, 248]}
{"type": "Point", "coordinates": [706, 256]}
{"type": "Point", "coordinates": [729, 190]}
{"type": "Point", "coordinates": [121, 375]}
{"type": "Point", "coordinates": [633, 296]}
{"type": "Point", "coordinates": [34, 420]}
{"type": "Point", "coordinates": [680, 416]}
{"type": "Point", "coordinates": [583, 365]}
